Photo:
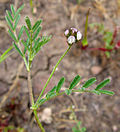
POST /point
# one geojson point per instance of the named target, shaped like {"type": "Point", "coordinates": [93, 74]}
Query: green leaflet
{"type": "Point", "coordinates": [18, 50]}
{"type": "Point", "coordinates": [89, 82]}
{"type": "Point", "coordinates": [16, 21]}
{"type": "Point", "coordinates": [50, 95]}
{"type": "Point", "coordinates": [41, 43]}
{"type": "Point", "coordinates": [106, 92]}
{"type": "Point", "coordinates": [102, 84]}
{"type": "Point", "coordinates": [40, 102]}
{"type": "Point", "coordinates": [12, 35]}
{"type": "Point", "coordinates": [36, 25]}
{"type": "Point", "coordinates": [59, 85]}
{"type": "Point", "coordinates": [20, 32]}
{"type": "Point", "coordinates": [53, 89]}
{"type": "Point", "coordinates": [27, 20]}
{"type": "Point", "coordinates": [36, 43]}
{"type": "Point", "coordinates": [9, 15]}
{"type": "Point", "coordinates": [75, 81]}
{"type": "Point", "coordinates": [6, 54]}
{"type": "Point", "coordinates": [27, 32]}
{"type": "Point", "coordinates": [36, 34]}
{"type": "Point", "coordinates": [18, 11]}
{"type": "Point", "coordinates": [13, 10]}
{"type": "Point", "coordinates": [9, 22]}
{"type": "Point", "coordinates": [52, 92]}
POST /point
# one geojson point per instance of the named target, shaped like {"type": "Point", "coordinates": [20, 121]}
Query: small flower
{"type": "Point", "coordinates": [73, 30]}
{"type": "Point", "coordinates": [66, 32]}
{"type": "Point", "coordinates": [71, 40]}
{"type": "Point", "coordinates": [79, 35]}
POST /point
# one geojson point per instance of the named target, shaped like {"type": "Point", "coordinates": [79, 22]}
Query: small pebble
{"type": "Point", "coordinates": [96, 70]}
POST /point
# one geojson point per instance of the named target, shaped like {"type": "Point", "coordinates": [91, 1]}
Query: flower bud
{"type": "Point", "coordinates": [66, 32]}
{"type": "Point", "coordinates": [79, 35]}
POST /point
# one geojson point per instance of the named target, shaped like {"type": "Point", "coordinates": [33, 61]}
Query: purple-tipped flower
{"type": "Point", "coordinates": [66, 32]}
{"type": "Point", "coordinates": [71, 40]}
{"type": "Point", "coordinates": [79, 35]}
{"type": "Point", "coordinates": [73, 30]}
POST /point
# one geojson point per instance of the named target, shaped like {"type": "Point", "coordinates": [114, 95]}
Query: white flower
{"type": "Point", "coordinates": [79, 35]}
{"type": "Point", "coordinates": [71, 40]}
{"type": "Point", "coordinates": [66, 32]}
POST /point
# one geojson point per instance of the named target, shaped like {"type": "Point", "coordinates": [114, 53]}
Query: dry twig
{"type": "Point", "coordinates": [13, 85]}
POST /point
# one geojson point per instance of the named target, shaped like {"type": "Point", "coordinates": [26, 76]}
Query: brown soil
{"type": "Point", "coordinates": [97, 113]}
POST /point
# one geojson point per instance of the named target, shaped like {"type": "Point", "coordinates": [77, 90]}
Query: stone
{"type": "Point", "coordinates": [96, 70]}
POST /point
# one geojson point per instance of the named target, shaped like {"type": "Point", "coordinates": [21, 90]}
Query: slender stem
{"type": "Point", "coordinates": [75, 118]}
{"type": "Point", "coordinates": [31, 5]}
{"type": "Point", "coordinates": [32, 101]}
{"type": "Point", "coordinates": [38, 121]}
{"type": "Point", "coordinates": [53, 72]}
{"type": "Point", "coordinates": [30, 88]}
{"type": "Point", "coordinates": [30, 55]}
{"type": "Point", "coordinates": [25, 61]}
{"type": "Point", "coordinates": [17, 41]}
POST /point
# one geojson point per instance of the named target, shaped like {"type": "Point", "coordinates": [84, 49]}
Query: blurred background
{"type": "Point", "coordinates": [97, 113]}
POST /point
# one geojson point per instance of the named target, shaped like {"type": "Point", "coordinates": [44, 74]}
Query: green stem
{"type": "Point", "coordinates": [38, 121]}
{"type": "Point", "coordinates": [53, 73]}
{"type": "Point", "coordinates": [30, 55]}
{"type": "Point", "coordinates": [31, 5]}
{"type": "Point", "coordinates": [25, 61]}
{"type": "Point", "coordinates": [18, 43]}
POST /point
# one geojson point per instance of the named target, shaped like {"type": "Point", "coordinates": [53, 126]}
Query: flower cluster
{"type": "Point", "coordinates": [73, 35]}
